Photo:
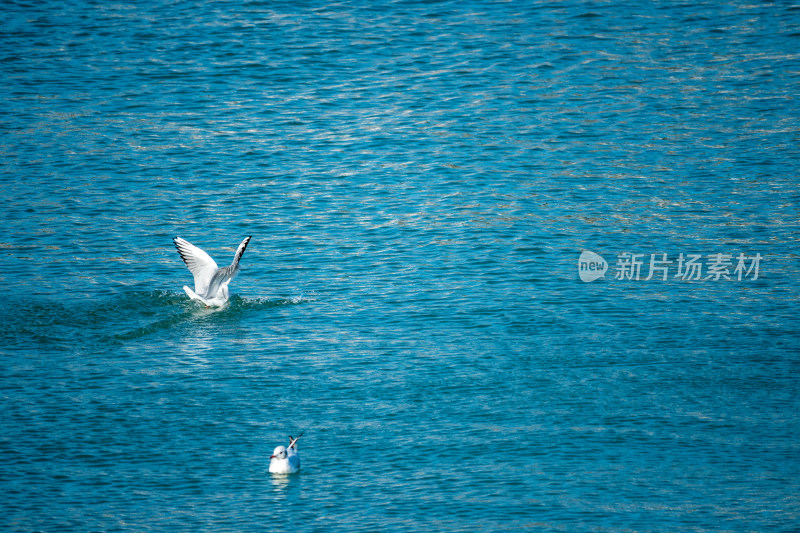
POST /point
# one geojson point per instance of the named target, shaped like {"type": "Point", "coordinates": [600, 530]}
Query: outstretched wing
{"type": "Point", "coordinates": [293, 441]}
{"type": "Point", "coordinates": [200, 264]}
{"type": "Point", "coordinates": [240, 250]}
{"type": "Point", "coordinates": [223, 276]}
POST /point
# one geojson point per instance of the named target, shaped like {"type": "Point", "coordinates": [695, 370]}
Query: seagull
{"type": "Point", "coordinates": [210, 281]}
{"type": "Point", "coordinates": [285, 460]}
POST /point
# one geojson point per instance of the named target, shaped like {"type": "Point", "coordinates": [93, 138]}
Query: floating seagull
{"type": "Point", "coordinates": [285, 461]}
{"type": "Point", "coordinates": [210, 281]}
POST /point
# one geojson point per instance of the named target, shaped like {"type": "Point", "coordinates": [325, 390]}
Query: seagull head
{"type": "Point", "coordinates": [279, 453]}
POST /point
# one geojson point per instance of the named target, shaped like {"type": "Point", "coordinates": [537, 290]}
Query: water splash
{"type": "Point", "coordinates": [98, 325]}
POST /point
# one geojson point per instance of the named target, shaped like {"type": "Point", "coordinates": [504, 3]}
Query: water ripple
{"type": "Point", "coordinates": [420, 179]}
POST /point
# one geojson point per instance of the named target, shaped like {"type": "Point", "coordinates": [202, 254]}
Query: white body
{"type": "Point", "coordinates": [210, 281]}
{"type": "Point", "coordinates": [285, 460]}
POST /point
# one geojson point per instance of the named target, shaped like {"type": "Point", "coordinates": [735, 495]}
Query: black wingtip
{"type": "Point", "coordinates": [293, 440]}
{"type": "Point", "coordinates": [242, 247]}
{"type": "Point", "coordinates": [180, 252]}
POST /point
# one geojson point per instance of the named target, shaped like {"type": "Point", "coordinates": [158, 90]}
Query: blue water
{"type": "Point", "coordinates": [420, 179]}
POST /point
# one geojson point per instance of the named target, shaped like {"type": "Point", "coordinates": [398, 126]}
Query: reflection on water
{"type": "Point", "coordinates": [280, 482]}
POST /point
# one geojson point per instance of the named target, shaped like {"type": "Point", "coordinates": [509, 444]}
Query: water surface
{"type": "Point", "coordinates": [419, 179]}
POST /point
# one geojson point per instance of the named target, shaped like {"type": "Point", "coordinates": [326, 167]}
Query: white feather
{"type": "Point", "coordinates": [210, 281]}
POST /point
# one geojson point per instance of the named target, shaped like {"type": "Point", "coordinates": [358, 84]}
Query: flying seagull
{"type": "Point", "coordinates": [285, 460]}
{"type": "Point", "coordinates": [210, 281]}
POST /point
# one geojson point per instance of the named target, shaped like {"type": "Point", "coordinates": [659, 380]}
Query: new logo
{"type": "Point", "coordinates": [591, 266]}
